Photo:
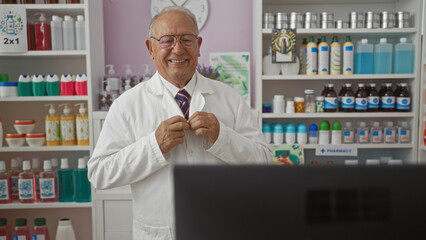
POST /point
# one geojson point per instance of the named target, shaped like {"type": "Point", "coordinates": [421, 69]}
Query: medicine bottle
{"type": "Point", "coordinates": [278, 104]}
{"type": "Point", "coordinates": [299, 104]}
{"type": "Point", "coordinates": [319, 104]}
{"type": "Point", "coordinates": [309, 101]}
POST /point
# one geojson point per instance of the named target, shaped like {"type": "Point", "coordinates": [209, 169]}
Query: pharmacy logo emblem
{"type": "Point", "coordinates": [404, 101]}
{"type": "Point", "coordinates": [389, 100]}
{"type": "Point", "coordinates": [11, 23]}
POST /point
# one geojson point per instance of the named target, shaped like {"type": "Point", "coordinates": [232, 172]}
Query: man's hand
{"type": "Point", "coordinates": [171, 133]}
{"type": "Point", "coordinates": [205, 124]}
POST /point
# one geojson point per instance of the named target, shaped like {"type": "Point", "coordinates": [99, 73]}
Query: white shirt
{"type": "Point", "coordinates": [127, 151]}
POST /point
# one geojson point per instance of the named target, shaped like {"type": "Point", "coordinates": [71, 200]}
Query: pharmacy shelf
{"type": "Point", "coordinates": [44, 99]}
{"type": "Point", "coordinates": [370, 146]}
{"type": "Point", "coordinates": [339, 115]}
{"type": "Point", "coordinates": [18, 205]}
{"type": "Point", "coordinates": [45, 149]}
{"type": "Point", "coordinates": [50, 53]}
{"type": "Point", "coordinates": [56, 9]}
{"type": "Point", "coordinates": [389, 32]}
{"type": "Point", "coordinates": [336, 77]}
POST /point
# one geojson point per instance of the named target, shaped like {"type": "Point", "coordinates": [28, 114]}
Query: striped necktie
{"type": "Point", "coordinates": [184, 98]}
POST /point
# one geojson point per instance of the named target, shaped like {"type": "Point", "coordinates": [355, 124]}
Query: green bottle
{"type": "Point", "coordinates": [65, 182]}
{"type": "Point", "coordinates": [82, 184]}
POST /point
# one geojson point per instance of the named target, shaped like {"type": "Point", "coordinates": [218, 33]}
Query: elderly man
{"type": "Point", "coordinates": [177, 117]}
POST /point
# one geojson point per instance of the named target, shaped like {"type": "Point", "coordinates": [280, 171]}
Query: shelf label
{"type": "Point", "coordinates": [336, 150]}
{"type": "Point", "coordinates": [13, 28]}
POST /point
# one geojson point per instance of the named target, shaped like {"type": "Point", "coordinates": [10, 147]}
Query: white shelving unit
{"type": "Point", "coordinates": [89, 62]}
{"type": "Point", "coordinates": [294, 85]}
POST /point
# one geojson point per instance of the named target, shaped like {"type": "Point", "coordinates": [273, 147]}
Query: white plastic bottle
{"type": "Point", "coordinates": [278, 134]}
{"type": "Point", "coordinates": [290, 134]}
{"type": "Point", "coordinates": [311, 57]}
{"type": "Point", "coordinates": [68, 33]}
{"type": "Point", "coordinates": [266, 130]}
{"type": "Point", "coordinates": [336, 133]}
{"type": "Point", "coordinates": [302, 134]}
{"type": "Point", "coordinates": [57, 34]}
{"type": "Point", "coordinates": [80, 33]}
{"type": "Point", "coordinates": [324, 133]}
{"type": "Point", "coordinates": [404, 131]}
{"type": "Point", "coordinates": [278, 104]}
{"type": "Point", "coordinates": [323, 57]}
{"type": "Point", "coordinates": [348, 57]}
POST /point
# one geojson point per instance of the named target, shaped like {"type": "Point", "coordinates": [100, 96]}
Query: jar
{"type": "Point", "coordinates": [8, 89]}
{"type": "Point", "coordinates": [309, 101]}
{"type": "Point", "coordinates": [319, 104]}
{"type": "Point", "coordinates": [278, 104]}
{"type": "Point", "coordinates": [266, 108]}
{"type": "Point", "coordinates": [299, 104]}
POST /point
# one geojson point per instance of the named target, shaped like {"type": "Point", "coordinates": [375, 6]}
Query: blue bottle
{"type": "Point", "coordinates": [364, 57]}
{"type": "Point", "coordinates": [267, 133]}
{"type": "Point", "coordinates": [313, 134]}
{"type": "Point", "coordinates": [403, 61]}
{"type": "Point", "coordinates": [383, 57]}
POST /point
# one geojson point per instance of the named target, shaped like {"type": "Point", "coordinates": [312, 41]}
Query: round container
{"type": "Point", "coordinates": [311, 20]}
{"type": "Point", "coordinates": [266, 108]}
{"type": "Point", "coordinates": [35, 139]}
{"type": "Point", "coordinates": [281, 20]}
{"type": "Point", "coordinates": [299, 104]}
{"type": "Point", "coordinates": [52, 85]}
{"type": "Point", "coordinates": [290, 106]}
{"type": "Point", "coordinates": [24, 126]}
{"type": "Point", "coordinates": [340, 24]}
{"type": "Point", "coordinates": [8, 89]}
{"type": "Point", "coordinates": [387, 20]}
{"type": "Point", "coordinates": [278, 104]}
{"type": "Point", "coordinates": [327, 20]}
{"type": "Point", "coordinates": [15, 140]}
{"type": "Point", "coordinates": [296, 20]}
{"type": "Point", "coordinates": [372, 20]}
{"type": "Point", "coordinates": [309, 101]}
{"type": "Point", "coordinates": [403, 19]}
{"type": "Point", "coordinates": [268, 21]}
{"type": "Point", "coordinates": [357, 20]}
{"type": "Point", "coordinates": [25, 88]}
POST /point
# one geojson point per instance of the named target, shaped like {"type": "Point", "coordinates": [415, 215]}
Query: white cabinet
{"type": "Point", "coordinates": [89, 62]}
{"type": "Point", "coordinates": [294, 85]}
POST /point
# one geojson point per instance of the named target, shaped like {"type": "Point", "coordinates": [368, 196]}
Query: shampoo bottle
{"type": "Point", "coordinates": [82, 184]}
{"type": "Point", "coordinates": [65, 182]}
{"type": "Point", "coordinates": [82, 124]}
{"type": "Point", "coordinates": [67, 127]}
{"type": "Point", "coordinates": [48, 183]}
{"type": "Point", "coordinates": [311, 57]}
{"type": "Point", "coordinates": [6, 188]}
{"type": "Point", "coordinates": [53, 131]}
{"type": "Point", "coordinates": [335, 57]}
{"type": "Point", "coordinates": [26, 184]}
{"type": "Point", "coordinates": [323, 57]}
{"type": "Point", "coordinates": [348, 57]}
{"type": "Point", "coordinates": [80, 33]}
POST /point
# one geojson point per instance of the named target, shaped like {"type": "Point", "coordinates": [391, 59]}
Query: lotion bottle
{"type": "Point", "coordinates": [67, 127]}
{"type": "Point", "coordinates": [82, 126]}
{"type": "Point", "coordinates": [53, 131]}
{"type": "Point", "coordinates": [311, 57]}
{"type": "Point", "coordinates": [335, 57]}
{"type": "Point", "coordinates": [323, 57]}
{"type": "Point", "coordinates": [348, 57]}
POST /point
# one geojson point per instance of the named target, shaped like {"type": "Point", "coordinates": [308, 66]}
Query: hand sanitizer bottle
{"type": "Point", "coordinates": [112, 80]}
{"type": "Point", "coordinates": [67, 126]}
{"type": "Point", "coordinates": [82, 126]}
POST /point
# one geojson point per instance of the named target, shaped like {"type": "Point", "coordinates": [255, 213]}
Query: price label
{"type": "Point", "coordinates": [13, 28]}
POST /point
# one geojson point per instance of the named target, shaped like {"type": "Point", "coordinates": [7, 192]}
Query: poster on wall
{"type": "Point", "coordinates": [283, 45]}
{"type": "Point", "coordinates": [233, 69]}
{"type": "Point", "coordinates": [13, 29]}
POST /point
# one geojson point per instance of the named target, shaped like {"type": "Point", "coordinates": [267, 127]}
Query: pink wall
{"type": "Point", "coordinates": [228, 29]}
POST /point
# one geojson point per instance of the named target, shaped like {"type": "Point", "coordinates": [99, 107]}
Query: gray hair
{"type": "Point", "coordinates": [180, 9]}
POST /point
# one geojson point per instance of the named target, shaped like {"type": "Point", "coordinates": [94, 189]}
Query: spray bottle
{"type": "Point", "coordinates": [67, 126]}
{"type": "Point", "coordinates": [53, 131]}
{"type": "Point", "coordinates": [82, 124]}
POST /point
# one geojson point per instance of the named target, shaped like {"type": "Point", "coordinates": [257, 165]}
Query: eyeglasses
{"type": "Point", "coordinates": [169, 41]}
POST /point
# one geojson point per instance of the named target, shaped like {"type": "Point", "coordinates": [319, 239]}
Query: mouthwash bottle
{"type": "Point", "coordinates": [364, 57]}
{"type": "Point", "coordinates": [403, 99]}
{"type": "Point", "coordinates": [373, 99]}
{"type": "Point", "coordinates": [403, 61]}
{"type": "Point", "coordinates": [26, 184]}
{"type": "Point", "coordinates": [65, 182]}
{"type": "Point", "coordinates": [348, 99]}
{"type": "Point", "coordinates": [40, 230]}
{"type": "Point", "coordinates": [388, 99]}
{"type": "Point", "coordinates": [82, 184]}
{"type": "Point", "coordinates": [5, 185]}
{"type": "Point", "coordinates": [48, 183]}
{"type": "Point", "coordinates": [14, 176]}
{"type": "Point", "coordinates": [330, 101]}
{"type": "Point", "coordinates": [383, 57]}
{"type": "Point", "coordinates": [36, 169]}
{"type": "Point", "coordinates": [21, 231]}
{"type": "Point", "coordinates": [361, 99]}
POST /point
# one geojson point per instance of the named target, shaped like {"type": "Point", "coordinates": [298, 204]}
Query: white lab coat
{"type": "Point", "coordinates": [127, 151]}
